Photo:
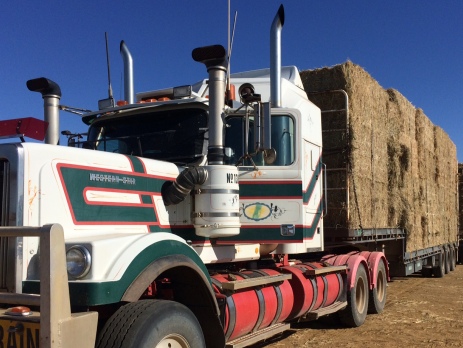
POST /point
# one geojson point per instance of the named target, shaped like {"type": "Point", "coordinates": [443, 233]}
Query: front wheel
{"type": "Point", "coordinates": [355, 313]}
{"type": "Point", "coordinates": [152, 324]}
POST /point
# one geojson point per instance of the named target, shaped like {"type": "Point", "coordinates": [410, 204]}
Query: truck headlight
{"type": "Point", "coordinates": [78, 260]}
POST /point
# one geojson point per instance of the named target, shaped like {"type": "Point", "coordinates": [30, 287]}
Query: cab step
{"type": "Point", "coordinates": [335, 307]}
{"type": "Point", "coordinates": [253, 282]}
{"type": "Point", "coordinates": [258, 336]}
{"type": "Point", "coordinates": [326, 270]}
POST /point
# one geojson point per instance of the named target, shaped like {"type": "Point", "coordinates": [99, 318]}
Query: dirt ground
{"type": "Point", "coordinates": [420, 312]}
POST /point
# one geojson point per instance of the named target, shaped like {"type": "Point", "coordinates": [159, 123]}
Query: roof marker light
{"type": "Point", "coordinates": [19, 311]}
{"type": "Point", "coordinates": [182, 92]}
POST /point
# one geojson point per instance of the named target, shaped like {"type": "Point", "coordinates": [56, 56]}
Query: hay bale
{"type": "Point", "coordinates": [402, 165]}
{"type": "Point", "coordinates": [446, 184]}
{"type": "Point", "coordinates": [388, 165]}
{"type": "Point", "coordinates": [460, 198]}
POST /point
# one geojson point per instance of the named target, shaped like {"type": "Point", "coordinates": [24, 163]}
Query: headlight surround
{"type": "Point", "coordinates": [78, 261]}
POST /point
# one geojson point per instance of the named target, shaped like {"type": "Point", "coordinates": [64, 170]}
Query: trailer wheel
{"type": "Point", "coordinates": [453, 258]}
{"type": "Point", "coordinates": [439, 269]}
{"type": "Point", "coordinates": [152, 324]}
{"type": "Point", "coordinates": [355, 313]}
{"type": "Point", "coordinates": [377, 299]}
{"type": "Point", "coordinates": [447, 259]}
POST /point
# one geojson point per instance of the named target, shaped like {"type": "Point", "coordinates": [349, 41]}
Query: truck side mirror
{"type": "Point", "coordinates": [270, 156]}
{"type": "Point", "coordinates": [262, 127]}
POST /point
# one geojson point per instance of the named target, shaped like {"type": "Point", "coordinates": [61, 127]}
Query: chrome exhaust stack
{"type": "Point", "coordinates": [51, 94]}
{"type": "Point", "coordinates": [214, 57]}
{"type": "Point", "coordinates": [275, 57]}
{"type": "Point", "coordinates": [128, 73]}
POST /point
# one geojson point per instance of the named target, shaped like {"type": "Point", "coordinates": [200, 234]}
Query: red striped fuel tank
{"type": "Point", "coordinates": [312, 292]}
{"type": "Point", "coordinates": [250, 309]}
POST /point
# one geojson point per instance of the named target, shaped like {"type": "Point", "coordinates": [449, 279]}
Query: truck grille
{"type": "Point", "coordinates": [4, 211]}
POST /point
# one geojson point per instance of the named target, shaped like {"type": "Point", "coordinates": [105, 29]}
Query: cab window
{"type": "Point", "coordinates": [282, 141]}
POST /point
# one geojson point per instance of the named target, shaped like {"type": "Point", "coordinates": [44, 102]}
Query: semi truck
{"type": "Point", "coordinates": [192, 216]}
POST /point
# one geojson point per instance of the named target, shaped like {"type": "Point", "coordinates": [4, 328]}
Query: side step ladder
{"type": "Point", "coordinates": [258, 336]}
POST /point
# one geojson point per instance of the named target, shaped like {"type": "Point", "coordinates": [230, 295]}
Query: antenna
{"type": "Point", "coordinates": [109, 102]}
{"type": "Point", "coordinates": [230, 46]}
{"type": "Point", "coordinates": [228, 37]}
{"type": "Point", "coordinates": [110, 89]}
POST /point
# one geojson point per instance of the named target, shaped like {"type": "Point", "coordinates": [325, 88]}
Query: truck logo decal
{"type": "Point", "coordinates": [256, 211]}
{"type": "Point", "coordinates": [106, 196]}
{"type": "Point", "coordinates": [260, 211]}
{"type": "Point", "coordinates": [252, 233]}
{"type": "Point", "coordinates": [112, 178]}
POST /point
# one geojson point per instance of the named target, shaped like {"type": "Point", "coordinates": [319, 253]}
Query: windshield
{"type": "Point", "coordinates": [171, 135]}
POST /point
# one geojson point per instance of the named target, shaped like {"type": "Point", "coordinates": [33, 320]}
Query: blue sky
{"type": "Point", "coordinates": [414, 46]}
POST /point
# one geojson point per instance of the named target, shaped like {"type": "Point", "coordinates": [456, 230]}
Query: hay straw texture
{"type": "Point", "coordinates": [388, 165]}
{"type": "Point", "coordinates": [460, 199]}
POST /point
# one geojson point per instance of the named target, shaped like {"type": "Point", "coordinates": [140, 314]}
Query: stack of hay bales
{"type": "Point", "coordinates": [460, 200]}
{"type": "Point", "coordinates": [388, 165]}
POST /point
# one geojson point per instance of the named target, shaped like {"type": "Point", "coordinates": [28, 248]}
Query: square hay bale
{"type": "Point", "coordinates": [388, 165]}
{"type": "Point", "coordinates": [460, 198]}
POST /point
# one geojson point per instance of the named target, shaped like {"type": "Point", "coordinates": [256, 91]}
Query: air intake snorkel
{"type": "Point", "coordinates": [214, 57]}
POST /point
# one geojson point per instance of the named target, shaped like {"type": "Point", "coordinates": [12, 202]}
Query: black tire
{"type": "Point", "coordinates": [377, 299]}
{"type": "Point", "coordinates": [153, 324]}
{"type": "Point", "coordinates": [447, 259]}
{"type": "Point", "coordinates": [455, 257]}
{"type": "Point", "coordinates": [452, 260]}
{"type": "Point", "coordinates": [355, 313]}
{"type": "Point", "coordinates": [439, 269]}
